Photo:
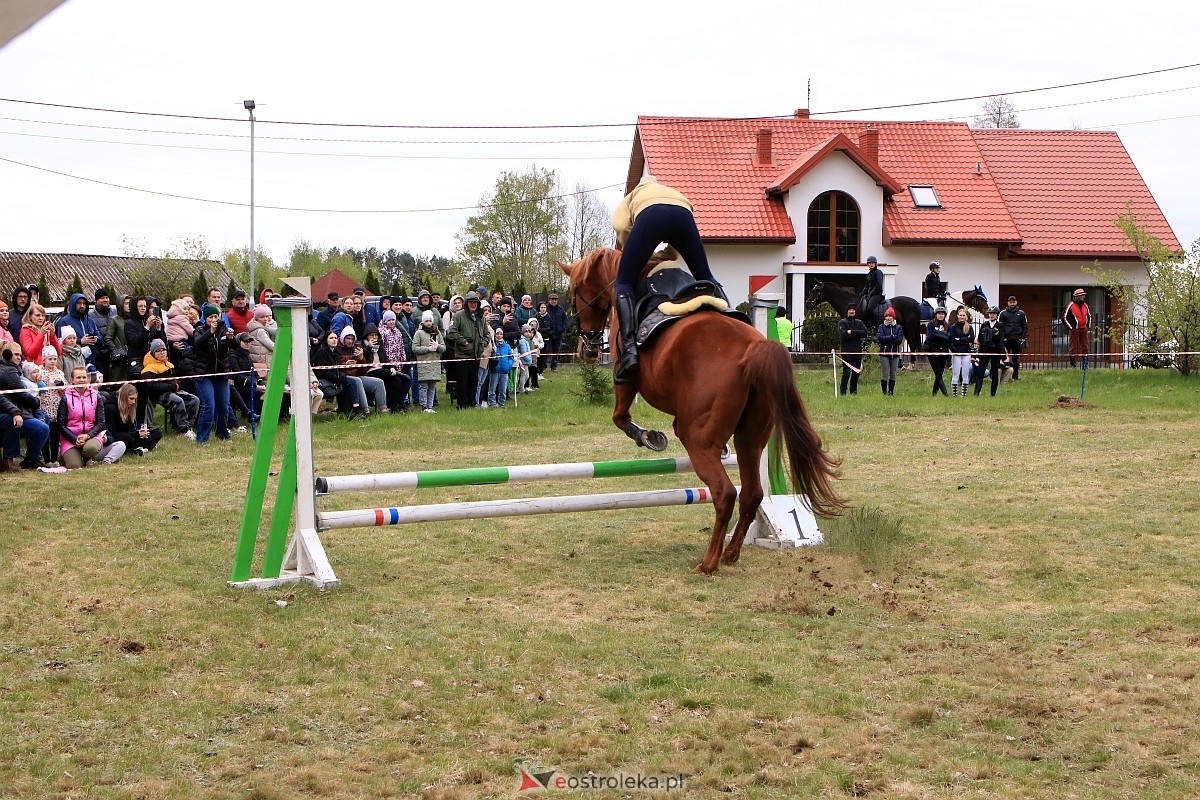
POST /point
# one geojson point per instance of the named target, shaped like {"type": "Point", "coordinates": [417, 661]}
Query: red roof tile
{"type": "Point", "coordinates": [1065, 190]}
{"type": "Point", "coordinates": [1044, 192]}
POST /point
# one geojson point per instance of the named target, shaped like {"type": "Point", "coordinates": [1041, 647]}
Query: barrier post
{"type": "Point", "coordinates": [305, 558]}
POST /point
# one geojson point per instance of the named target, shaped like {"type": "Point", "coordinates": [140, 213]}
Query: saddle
{"type": "Point", "coordinates": [670, 293]}
{"type": "Point", "coordinates": [873, 313]}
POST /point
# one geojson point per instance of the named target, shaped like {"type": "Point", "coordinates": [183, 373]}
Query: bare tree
{"type": "Point", "coordinates": [998, 112]}
{"type": "Point", "coordinates": [588, 223]}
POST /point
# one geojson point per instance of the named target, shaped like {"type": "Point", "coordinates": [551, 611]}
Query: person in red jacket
{"type": "Point", "coordinates": [1077, 318]}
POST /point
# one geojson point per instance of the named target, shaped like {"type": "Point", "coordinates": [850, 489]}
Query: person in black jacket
{"type": "Point", "coordinates": [937, 340]}
{"type": "Point", "coordinates": [210, 346]}
{"type": "Point", "coordinates": [991, 350]}
{"type": "Point", "coordinates": [851, 333]}
{"type": "Point", "coordinates": [932, 287]}
{"type": "Point", "coordinates": [1016, 333]}
{"type": "Point", "coordinates": [890, 337]}
{"type": "Point", "coordinates": [962, 340]}
{"type": "Point", "coordinates": [129, 421]}
{"type": "Point", "coordinates": [19, 415]}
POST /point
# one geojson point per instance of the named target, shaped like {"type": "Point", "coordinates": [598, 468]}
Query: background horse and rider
{"type": "Point", "coordinates": [720, 379]}
{"type": "Point", "coordinates": [908, 310]}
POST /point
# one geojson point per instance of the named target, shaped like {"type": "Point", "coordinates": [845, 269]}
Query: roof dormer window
{"type": "Point", "coordinates": [924, 196]}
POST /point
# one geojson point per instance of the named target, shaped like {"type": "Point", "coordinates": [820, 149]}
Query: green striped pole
{"type": "Point", "coordinates": [479, 476]}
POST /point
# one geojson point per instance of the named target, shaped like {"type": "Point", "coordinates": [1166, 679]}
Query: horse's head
{"type": "Point", "coordinates": [815, 296]}
{"type": "Point", "coordinates": [590, 288]}
{"type": "Point", "coordinates": [978, 300]}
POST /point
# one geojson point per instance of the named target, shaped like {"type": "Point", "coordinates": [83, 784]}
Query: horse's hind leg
{"type": "Point", "coordinates": [708, 467]}
{"type": "Point", "coordinates": [749, 444]}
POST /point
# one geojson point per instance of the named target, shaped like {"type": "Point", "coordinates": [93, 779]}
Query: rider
{"type": "Point", "coordinates": [933, 284]}
{"type": "Point", "coordinates": [872, 291]}
{"type": "Point", "coordinates": [652, 213]}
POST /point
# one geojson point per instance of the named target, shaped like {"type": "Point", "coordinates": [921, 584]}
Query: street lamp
{"type": "Point", "coordinates": [249, 105]}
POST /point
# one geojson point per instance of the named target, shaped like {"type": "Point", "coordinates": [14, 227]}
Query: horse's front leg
{"type": "Point", "coordinates": [626, 392]}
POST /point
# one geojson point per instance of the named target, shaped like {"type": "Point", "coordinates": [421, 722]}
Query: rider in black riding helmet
{"type": "Point", "coordinates": [872, 291]}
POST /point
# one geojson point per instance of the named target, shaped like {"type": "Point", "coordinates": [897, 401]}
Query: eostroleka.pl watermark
{"type": "Point", "coordinates": [532, 779]}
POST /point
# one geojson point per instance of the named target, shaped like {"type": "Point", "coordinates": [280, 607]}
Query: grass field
{"type": "Point", "coordinates": [1012, 611]}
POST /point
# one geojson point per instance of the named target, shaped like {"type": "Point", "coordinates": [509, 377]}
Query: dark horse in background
{"type": "Point", "coordinates": [720, 379]}
{"type": "Point", "coordinates": [908, 311]}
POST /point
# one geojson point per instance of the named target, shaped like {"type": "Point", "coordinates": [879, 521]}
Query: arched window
{"type": "Point", "coordinates": [833, 229]}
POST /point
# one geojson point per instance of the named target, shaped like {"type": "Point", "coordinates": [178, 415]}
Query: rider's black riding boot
{"type": "Point", "coordinates": [719, 291]}
{"type": "Point", "coordinates": [883, 386]}
{"type": "Point", "coordinates": [891, 387]}
{"type": "Point", "coordinates": [627, 368]}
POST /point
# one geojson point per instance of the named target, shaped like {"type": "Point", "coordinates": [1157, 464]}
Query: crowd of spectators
{"type": "Point", "coordinates": [83, 389]}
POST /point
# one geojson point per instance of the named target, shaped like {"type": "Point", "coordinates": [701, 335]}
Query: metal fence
{"type": "Point", "coordinates": [1131, 343]}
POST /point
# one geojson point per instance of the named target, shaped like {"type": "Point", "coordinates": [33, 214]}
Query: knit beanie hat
{"type": "Point", "coordinates": [389, 315]}
{"type": "Point", "coordinates": [49, 352]}
{"type": "Point", "coordinates": [157, 345]}
{"type": "Point", "coordinates": [261, 310]}
{"type": "Point", "coordinates": [426, 316]}
{"type": "Point", "coordinates": [207, 310]}
{"type": "Point", "coordinates": [890, 313]}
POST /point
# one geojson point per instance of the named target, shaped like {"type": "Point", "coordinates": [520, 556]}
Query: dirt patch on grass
{"type": "Point", "coordinates": [824, 584]}
{"type": "Point", "coordinates": [1066, 401]}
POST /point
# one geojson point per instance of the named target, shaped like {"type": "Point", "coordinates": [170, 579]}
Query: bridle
{"type": "Point", "coordinates": [590, 341]}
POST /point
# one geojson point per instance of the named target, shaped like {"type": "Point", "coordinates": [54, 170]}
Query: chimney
{"type": "Point", "coordinates": [868, 142]}
{"type": "Point", "coordinates": [801, 113]}
{"type": "Point", "coordinates": [763, 155]}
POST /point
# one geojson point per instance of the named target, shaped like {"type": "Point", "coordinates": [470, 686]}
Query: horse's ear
{"type": "Point", "coordinates": [566, 268]}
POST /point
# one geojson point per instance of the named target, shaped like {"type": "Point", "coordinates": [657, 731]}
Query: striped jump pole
{"type": "Point", "coordinates": [489, 509]}
{"type": "Point", "coordinates": [484, 476]}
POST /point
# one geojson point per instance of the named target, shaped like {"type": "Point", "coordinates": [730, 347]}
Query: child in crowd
{"type": "Point", "coordinates": [428, 346]}
{"type": "Point", "coordinates": [524, 360]}
{"type": "Point", "coordinates": [498, 368]}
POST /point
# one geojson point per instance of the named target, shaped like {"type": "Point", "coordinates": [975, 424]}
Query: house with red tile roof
{"type": "Point", "coordinates": [782, 203]}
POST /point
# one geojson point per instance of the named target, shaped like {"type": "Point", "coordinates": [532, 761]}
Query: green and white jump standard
{"type": "Point", "coordinates": [783, 521]}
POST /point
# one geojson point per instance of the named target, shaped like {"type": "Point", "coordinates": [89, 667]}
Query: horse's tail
{"type": "Point", "coordinates": [813, 470]}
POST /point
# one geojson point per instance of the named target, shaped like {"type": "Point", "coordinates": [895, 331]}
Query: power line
{"type": "Point", "coordinates": [302, 153]}
{"type": "Point", "coordinates": [1010, 92]}
{"type": "Point", "coordinates": [309, 210]}
{"type": "Point", "coordinates": [313, 138]}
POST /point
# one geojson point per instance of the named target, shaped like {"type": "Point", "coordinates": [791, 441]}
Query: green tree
{"type": "Point", "coordinates": [199, 287]}
{"type": "Point", "coordinates": [44, 297]}
{"type": "Point", "coordinates": [517, 236]}
{"type": "Point", "coordinates": [371, 282]}
{"type": "Point", "coordinates": [172, 273]}
{"type": "Point", "coordinates": [75, 286]}
{"type": "Point", "coordinates": [1170, 298]}
{"type": "Point", "coordinates": [395, 289]}
{"type": "Point", "coordinates": [230, 289]}
{"type": "Point", "coordinates": [819, 334]}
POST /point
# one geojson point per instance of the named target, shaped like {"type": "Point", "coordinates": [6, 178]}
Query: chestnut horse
{"type": "Point", "coordinates": [720, 379]}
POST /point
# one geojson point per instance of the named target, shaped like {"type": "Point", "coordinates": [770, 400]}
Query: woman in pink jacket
{"type": "Point", "coordinates": [82, 432]}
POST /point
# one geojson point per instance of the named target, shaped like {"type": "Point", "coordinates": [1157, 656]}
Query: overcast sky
{"type": "Point", "coordinates": [519, 63]}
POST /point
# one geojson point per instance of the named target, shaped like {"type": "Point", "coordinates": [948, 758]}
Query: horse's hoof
{"type": "Point", "coordinates": [655, 440]}
{"type": "Point", "coordinates": [700, 570]}
{"type": "Point", "coordinates": [731, 558]}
